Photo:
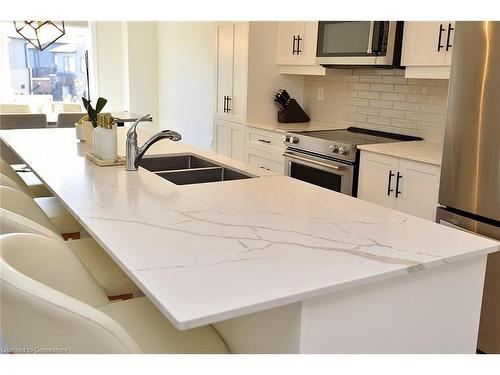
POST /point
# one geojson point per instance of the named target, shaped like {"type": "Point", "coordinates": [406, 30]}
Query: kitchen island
{"type": "Point", "coordinates": [276, 264]}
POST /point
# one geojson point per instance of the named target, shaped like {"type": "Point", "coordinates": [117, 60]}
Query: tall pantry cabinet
{"type": "Point", "coordinates": [246, 80]}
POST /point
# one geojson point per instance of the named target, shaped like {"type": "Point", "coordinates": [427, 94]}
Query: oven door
{"type": "Point", "coordinates": [356, 42]}
{"type": "Point", "coordinates": [330, 174]}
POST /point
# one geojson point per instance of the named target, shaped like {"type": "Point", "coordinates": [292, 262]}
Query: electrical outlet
{"type": "Point", "coordinates": [321, 94]}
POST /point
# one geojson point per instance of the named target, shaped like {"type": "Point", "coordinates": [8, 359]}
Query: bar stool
{"type": "Point", "coordinates": [49, 300]}
{"type": "Point", "coordinates": [36, 187]}
{"type": "Point", "coordinates": [67, 225]}
{"type": "Point", "coordinates": [19, 214]}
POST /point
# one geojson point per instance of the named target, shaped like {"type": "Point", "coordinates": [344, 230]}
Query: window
{"type": "Point", "coordinates": [40, 79]}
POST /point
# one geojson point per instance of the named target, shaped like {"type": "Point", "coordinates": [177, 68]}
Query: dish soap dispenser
{"type": "Point", "coordinates": [108, 139]}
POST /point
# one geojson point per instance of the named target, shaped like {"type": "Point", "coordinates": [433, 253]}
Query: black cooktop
{"type": "Point", "coordinates": [359, 136]}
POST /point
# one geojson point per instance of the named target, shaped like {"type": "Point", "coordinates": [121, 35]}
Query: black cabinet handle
{"type": "Point", "coordinates": [441, 29]}
{"type": "Point", "coordinates": [389, 190]}
{"type": "Point", "coordinates": [228, 99]}
{"type": "Point", "coordinates": [224, 106]}
{"type": "Point", "coordinates": [397, 184]}
{"type": "Point", "coordinates": [264, 141]}
{"type": "Point", "coordinates": [298, 44]}
{"type": "Point", "coordinates": [450, 29]}
{"type": "Point", "coordinates": [293, 45]}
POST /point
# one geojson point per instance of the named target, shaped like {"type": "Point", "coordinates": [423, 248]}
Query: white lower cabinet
{"type": "Point", "coordinates": [264, 149]}
{"type": "Point", "coordinates": [402, 184]}
{"type": "Point", "coordinates": [229, 139]}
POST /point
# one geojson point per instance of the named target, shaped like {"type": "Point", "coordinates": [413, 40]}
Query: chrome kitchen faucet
{"type": "Point", "coordinates": [134, 153]}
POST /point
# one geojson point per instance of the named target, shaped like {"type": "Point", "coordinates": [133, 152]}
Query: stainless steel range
{"type": "Point", "coordinates": [330, 158]}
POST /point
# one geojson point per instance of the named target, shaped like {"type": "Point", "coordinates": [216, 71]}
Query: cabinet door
{"type": "Point", "coordinates": [421, 41]}
{"type": "Point", "coordinates": [287, 54]}
{"type": "Point", "coordinates": [238, 143]}
{"type": "Point", "coordinates": [419, 186]}
{"type": "Point", "coordinates": [237, 104]}
{"type": "Point", "coordinates": [374, 184]}
{"type": "Point", "coordinates": [224, 65]}
{"type": "Point", "coordinates": [222, 138]}
{"type": "Point", "coordinates": [307, 55]}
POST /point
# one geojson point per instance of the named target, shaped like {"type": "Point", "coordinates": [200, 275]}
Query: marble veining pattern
{"type": "Point", "coordinates": [209, 252]}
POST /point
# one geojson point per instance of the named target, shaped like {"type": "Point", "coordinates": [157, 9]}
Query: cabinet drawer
{"type": "Point", "coordinates": [263, 162]}
{"type": "Point", "coordinates": [266, 141]}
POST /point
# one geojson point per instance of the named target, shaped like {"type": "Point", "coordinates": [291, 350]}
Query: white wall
{"type": "Point", "coordinates": [109, 65]}
{"type": "Point", "coordinates": [126, 61]}
{"type": "Point", "coordinates": [186, 52]}
{"type": "Point", "coordinates": [142, 68]}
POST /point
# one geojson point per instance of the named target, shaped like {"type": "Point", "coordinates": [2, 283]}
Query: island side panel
{"type": "Point", "coordinates": [430, 311]}
{"type": "Point", "coordinates": [273, 331]}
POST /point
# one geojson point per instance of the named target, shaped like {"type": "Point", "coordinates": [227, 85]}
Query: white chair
{"type": "Point", "coordinates": [19, 214]}
{"type": "Point", "coordinates": [51, 301]}
{"type": "Point", "coordinates": [36, 187]}
{"type": "Point", "coordinates": [60, 217]}
{"type": "Point", "coordinates": [14, 108]}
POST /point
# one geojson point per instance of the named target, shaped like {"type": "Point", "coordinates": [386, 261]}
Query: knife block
{"type": "Point", "coordinates": [292, 113]}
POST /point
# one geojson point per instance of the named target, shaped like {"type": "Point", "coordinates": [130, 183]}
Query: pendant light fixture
{"type": "Point", "coordinates": [40, 34]}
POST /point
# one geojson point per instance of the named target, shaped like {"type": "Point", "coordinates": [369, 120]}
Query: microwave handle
{"type": "Point", "coordinates": [370, 37]}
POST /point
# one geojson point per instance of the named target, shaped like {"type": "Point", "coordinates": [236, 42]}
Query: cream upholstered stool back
{"type": "Point", "coordinates": [22, 204]}
{"type": "Point", "coordinates": [7, 171]}
{"type": "Point", "coordinates": [50, 302]}
{"type": "Point", "coordinates": [11, 222]}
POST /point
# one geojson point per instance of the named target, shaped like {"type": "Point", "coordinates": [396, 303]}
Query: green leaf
{"type": "Point", "coordinates": [101, 102]}
{"type": "Point", "coordinates": [86, 103]}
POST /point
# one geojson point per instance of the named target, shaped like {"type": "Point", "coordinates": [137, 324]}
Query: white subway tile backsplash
{"type": "Point", "coordinates": [370, 79]}
{"type": "Point", "coordinates": [379, 99]}
{"type": "Point", "coordinates": [369, 111]}
{"type": "Point", "coordinates": [405, 106]}
{"type": "Point", "coordinates": [380, 104]}
{"type": "Point", "coordinates": [381, 87]}
{"type": "Point", "coordinates": [369, 95]}
{"type": "Point", "coordinates": [392, 96]}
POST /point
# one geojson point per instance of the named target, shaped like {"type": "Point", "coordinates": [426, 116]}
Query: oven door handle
{"type": "Point", "coordinates": [334, 167]}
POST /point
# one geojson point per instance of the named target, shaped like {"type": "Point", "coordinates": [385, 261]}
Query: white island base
{"type": "Point", "coordinates": [435, 310]}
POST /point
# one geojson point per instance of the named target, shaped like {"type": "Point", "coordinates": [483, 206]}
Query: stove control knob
{"type": "Point", "coordinates": [334, 148]}
{"type": "Point", "coordinates": [343, 150]}
{"type": "Point", "coordinates": [293, 140]}
{"type": "Point", "coordinates": [286, 138]}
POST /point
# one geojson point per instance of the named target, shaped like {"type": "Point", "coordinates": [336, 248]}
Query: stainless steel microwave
{"type": "Point", "coordinates": [371, 43]}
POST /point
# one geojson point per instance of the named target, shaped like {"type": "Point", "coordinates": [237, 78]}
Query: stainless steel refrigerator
{"type": "Point", "coordinates": [470, 175]}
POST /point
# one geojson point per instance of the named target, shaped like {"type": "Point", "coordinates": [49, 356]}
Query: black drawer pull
{"type": "Point", "coordinates": [264, 141]}
{"type": "Point", "coordinates": [450, 29]}
{"type": "Point", "coordinates": [441, 29]}
{"type": "Point", "coordinates": [389, 190]}
{"type": "Point", "coordinates": [397, 184]}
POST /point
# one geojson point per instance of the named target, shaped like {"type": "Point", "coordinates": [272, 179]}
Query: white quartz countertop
{"type": "Point", "coordinates": [279, 127]}
{"type": "Point", "coordinates": [209, 252]}
{"type": "Point", "coordinates": [424, 151]}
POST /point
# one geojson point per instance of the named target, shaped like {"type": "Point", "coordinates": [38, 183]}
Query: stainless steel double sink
{"type": "Point", "coordinates": [189, 169]}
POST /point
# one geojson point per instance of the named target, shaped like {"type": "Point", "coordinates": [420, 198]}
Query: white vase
{"type": "Point", "coordinates": [79, 132]}
{"type": "Point", "coordinates": [88, 129]}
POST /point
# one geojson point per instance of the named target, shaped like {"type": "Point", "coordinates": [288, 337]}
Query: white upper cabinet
{"type": "Point", "coordinates": [427, 49]}
{"type": "Point", "coordinates": [288, 34]}
{"type": "Point", "coordinates": [232, 66]}
{"type": "Point", "coordinates": [296, 50]}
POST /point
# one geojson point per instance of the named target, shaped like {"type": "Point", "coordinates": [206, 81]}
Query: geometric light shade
{"type": "Point", "coordinates": [40, 34]}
